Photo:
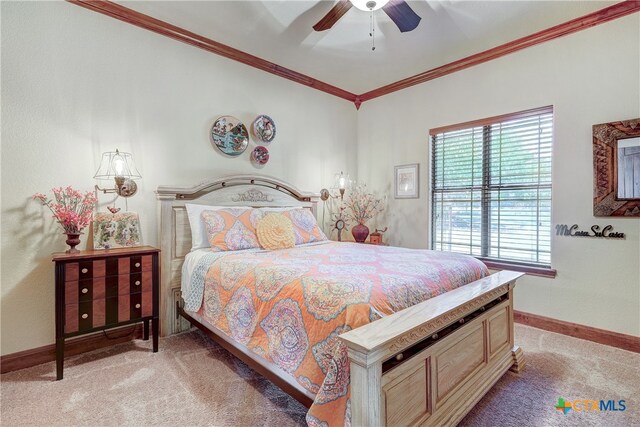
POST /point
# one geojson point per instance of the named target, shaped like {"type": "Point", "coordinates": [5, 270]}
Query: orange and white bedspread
{"type": "Point", "coordinates": [289, 306]}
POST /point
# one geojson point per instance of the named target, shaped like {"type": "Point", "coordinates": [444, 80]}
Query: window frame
{"type": "Point", "coordinates": [492, 263]}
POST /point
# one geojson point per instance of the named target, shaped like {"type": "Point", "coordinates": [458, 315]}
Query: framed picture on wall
{"type": "Point", "coordinates": [407, 181]}
{"type": "Point", "coordinates": [118, 230]}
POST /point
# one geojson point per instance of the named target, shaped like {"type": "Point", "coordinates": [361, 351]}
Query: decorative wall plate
{"type": "Point", "coordinates": [260, 155]}
{"type": "Point", "coordinates": [264, 129]}
{"type": "Point", "coordinates": [230, 135]}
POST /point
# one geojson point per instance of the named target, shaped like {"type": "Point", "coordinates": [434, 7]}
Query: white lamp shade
{"type": "Point", "coordinates": [365, 4]}
{"type": "Point", "coordinates": [341, 181]}
{"type": "Point", "coordinates": [117, 163]}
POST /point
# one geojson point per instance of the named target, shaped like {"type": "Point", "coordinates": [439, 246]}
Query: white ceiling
{"type": "Point", "coordinates": [280, 31]}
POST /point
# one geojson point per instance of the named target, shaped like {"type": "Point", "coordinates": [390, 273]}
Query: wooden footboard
{"type": "Point", "coordinates": [431, 363]}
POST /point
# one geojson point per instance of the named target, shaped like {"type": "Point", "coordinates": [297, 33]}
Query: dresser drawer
{"type": "Point", "coordinates": [85, 270]}
{"type": "Point", "coordinates": [87, 315]}
{"type": "Point", "coordinates": [139, 263]}
{"type": "Point", "coordinates": [130, 284]}
{"type": "Point", "coordinates": [108, 267]}
{"type": "Point", "coordinates": [85, 290]}
{"type": "Point", "coordinates": [135, 306]}
{"type": "Point", "coordinates": [108, 287]}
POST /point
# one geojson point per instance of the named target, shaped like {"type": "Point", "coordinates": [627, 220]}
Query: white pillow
{"type": "Point", "coordinates": [288, 208]}
{"type": "Point", "coordinates": [199, 238]}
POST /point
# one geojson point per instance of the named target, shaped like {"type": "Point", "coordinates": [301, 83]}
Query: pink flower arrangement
{"type": "Point", "coordinates": [70, 208]}
{"type": "Point", "coordinates": [363, 205]}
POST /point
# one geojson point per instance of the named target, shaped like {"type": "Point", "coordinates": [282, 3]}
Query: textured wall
{"type": "Point", "coordinates": [76, 83]}
{"type": "Point", "coordinates": [589, 77]}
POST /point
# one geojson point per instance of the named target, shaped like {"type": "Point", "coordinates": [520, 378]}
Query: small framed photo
{"type": "Point", "coordinates": [407, 181]}
{"type": "Point", "coordinates": [118, 230]}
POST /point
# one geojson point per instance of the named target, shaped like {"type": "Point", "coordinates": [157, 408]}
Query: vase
{"type": "Point", "coordinates": [73, 240]}
{"type": "Point", "coordinates": [360, 232]}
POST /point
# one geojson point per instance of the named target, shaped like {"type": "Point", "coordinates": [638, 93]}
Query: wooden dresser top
{"type": "Point", "coordinates": [97, 253]}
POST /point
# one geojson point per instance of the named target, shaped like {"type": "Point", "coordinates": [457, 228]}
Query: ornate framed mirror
{"type": "Point", "coordinates": [616, 168]}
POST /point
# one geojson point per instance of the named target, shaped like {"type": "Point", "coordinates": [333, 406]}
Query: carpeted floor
{"type": "Point", "coordinates": [193, 382]}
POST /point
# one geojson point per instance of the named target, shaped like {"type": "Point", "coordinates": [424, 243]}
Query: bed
{"type": "Point", "coordinates": [422, 356]}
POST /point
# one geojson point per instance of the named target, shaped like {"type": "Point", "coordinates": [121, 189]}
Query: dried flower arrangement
{"type": "Point", "coordinates": [71, 209]}
{"type": "Point", "coordinates": [363, 204]}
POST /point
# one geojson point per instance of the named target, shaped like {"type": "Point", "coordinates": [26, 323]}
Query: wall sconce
{"type": "Point", "coordinates": [120, 167]}
{"type": "Point", "coordinates": [338, 220]}
{"type": "Point", "coordinates": [340, 183]}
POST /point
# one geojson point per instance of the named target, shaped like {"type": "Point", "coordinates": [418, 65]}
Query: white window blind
{"type": "Point", "coordinates": [491, 187]}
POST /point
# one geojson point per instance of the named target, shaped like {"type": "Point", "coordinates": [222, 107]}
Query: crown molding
{"type": "Point", "coordinates": [130, 16]}
{"type": "Point", "coordinates": [598, 17]}
{"type": "Point", "coordinates": [141, 20]}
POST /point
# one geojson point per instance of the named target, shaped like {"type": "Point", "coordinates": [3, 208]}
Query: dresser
{"type": "Point", "coordinates": [101, 289]}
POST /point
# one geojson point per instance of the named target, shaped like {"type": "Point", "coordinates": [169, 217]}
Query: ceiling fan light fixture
{"type": "Point", "coordinates": [369, 5]}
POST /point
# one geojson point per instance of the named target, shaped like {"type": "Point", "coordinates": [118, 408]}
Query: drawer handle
{"type": "Point", "coordinates": [137, 282]}
{"type": "Point", "coordinates": [137, 264]}
{"type": "Point", "coordinates": [85, 270]}
{"type": "Point", "coordinates": [85, 290]}
{"type": "Point", "coordinates": [85, 315]}
{"type": "Point", "coordinates": [137, 305]}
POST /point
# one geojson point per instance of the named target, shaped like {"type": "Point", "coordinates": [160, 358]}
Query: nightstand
{"type": "Point", "coordinates": [102, 289]}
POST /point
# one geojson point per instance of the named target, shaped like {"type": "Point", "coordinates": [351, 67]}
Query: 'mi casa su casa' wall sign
{"type": "Point", "coordinates": [605, 233]}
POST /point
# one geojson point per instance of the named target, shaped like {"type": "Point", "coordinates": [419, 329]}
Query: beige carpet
{"type": "Point", "coordinates": [193, 382]}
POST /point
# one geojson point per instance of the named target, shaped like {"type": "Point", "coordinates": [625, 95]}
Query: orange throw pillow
{"type": "Point", "coordinates": [275, 231]}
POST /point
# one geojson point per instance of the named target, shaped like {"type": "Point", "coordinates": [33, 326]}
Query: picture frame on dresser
{"type": "Point", "coordinates": [96, 290]}
{"type": "Point", "coordinates": [116, 230]}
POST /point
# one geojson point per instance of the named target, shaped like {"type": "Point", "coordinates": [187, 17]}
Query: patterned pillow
{"type": "Point", "coordinates": [305, 226]}
{"type": "Point", "coordinates": [275, 231]}
{"type": "Point", "coordinates": [199, 237]}
{"type": "Point", "coordinates": [230, 229]}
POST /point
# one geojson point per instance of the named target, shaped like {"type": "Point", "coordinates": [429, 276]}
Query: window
{"type": "Point", "coordinates": [491, 188]}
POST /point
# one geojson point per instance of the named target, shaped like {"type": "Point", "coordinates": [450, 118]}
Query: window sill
{"type": "Point", "coordinates": [528, 269]}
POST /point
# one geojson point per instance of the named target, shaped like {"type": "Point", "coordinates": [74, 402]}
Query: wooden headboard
{"type": "Point", "coordinates": [175, 232]}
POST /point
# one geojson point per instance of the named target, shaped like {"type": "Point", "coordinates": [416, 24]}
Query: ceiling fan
{"type": "Point", "coordinates": [398, 10]}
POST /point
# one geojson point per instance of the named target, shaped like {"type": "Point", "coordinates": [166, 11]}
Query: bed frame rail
{"type": "Point", "coordinates": [264, 368]}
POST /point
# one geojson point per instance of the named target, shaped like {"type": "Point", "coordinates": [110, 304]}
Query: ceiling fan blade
{"type": "Point", "coordinates": [334, 14]}
{"type": "Point", "coordinates": [402, 14]}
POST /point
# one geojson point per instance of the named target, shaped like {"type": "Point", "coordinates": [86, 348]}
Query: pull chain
{"type": "Point", "coordinates": [372, 31]}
